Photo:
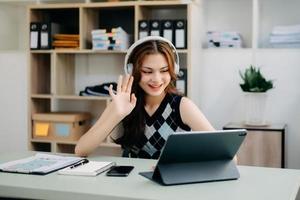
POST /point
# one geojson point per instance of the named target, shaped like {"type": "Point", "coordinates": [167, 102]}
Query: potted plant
{"type": "Point", "coordinates": [255, 87]}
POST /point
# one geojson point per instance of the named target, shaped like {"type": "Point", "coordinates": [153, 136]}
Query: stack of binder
{"type": "Point", "coordinates": [66, 41]}
{"type": "Point", "coordinates": [173, 30]}
{"type": "Point", "coordinates": [117, 39]}
{"type": "Point", "coordinates": [224, 39]}
{"type": "Point", "coordinates": [41, 34]}
{"type": "Point", "coordinates": [285, 36]}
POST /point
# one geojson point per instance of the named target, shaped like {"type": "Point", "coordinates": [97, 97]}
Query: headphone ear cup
{"type": "Point", "coordinates": [129, 68]}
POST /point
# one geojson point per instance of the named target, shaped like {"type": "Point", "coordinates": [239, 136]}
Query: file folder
{"type": "Point", "coordinates": [34, 35]}
{"type": "Point", "coordinates": [180, 34]}
{"type": "Point", "coordinates": [181, 82]}
{"type": "Point", "coordinates": [167, 30]}
{"type": "Point", "coordinates": [155, 27]}
{"type": "Point", "coordinates": [195, 157]}
{"type": "Point", "coordinates": [143, 28]}
{"type": "Point", "coordinates": [46, 34]}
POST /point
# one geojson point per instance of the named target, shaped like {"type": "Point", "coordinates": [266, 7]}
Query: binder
{"type": "Point", "coordinates": [155, 27]}
{"type": "Point", "coordinates": [45, 36]}
{"type": "Point", "coordinates": [35, 35]}
{"type": "Point", "coordinates": [167, 30]}
{"type": "Point", "coordinates": [195, 157]}
{"type": "Point", "coordinates": [180, 34]}
{"type": "Point", "coordinates": [143, 28]}
{"type": "Point", "coordinates": [47, 32]}
{"type": "Point", "coordinates": [181, 82]}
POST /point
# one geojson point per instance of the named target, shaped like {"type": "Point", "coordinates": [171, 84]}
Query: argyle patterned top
{"type": "Point", "coordinates": [165, 121]}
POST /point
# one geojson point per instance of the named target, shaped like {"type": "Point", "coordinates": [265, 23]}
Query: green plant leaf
{"type": "Point", "coordinates": [254, 81]}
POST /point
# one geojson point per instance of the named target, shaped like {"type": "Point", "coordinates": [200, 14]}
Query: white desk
{"type": "Point", "coordinates": [255, 184]}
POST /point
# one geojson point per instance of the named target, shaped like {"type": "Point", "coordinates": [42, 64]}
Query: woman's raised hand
{"type": "Point", "coordinates": [123, 102]}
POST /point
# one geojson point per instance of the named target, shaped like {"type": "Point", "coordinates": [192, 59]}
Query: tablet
{"type": "Point", "coordinates": [190, 157]}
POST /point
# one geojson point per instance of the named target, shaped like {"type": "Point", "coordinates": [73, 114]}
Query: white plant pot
{"type": "Point", "coordinates": [255, 104]}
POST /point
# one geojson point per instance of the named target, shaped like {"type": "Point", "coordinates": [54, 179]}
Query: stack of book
{"type": "Point", "coordinates": [66, 41]}
{"type": "Point", "coordinates": [285, 36]}
{"type": "Point", "coordinates": [117, 39]}
{"type": "Point", "coordinates": [224, 39]}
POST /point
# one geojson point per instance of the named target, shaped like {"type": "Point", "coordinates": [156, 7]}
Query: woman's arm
{"type": "Point", "coordinates": [193, 117]}
{"type": "Point", "coordinates": [122, 104]}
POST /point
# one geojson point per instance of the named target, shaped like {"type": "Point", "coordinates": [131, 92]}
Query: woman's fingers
{"type": "Point", "coordinates": [129, 85]}
{"type": "Point", "coordinates": [133, 99]}
{"type": "Point", "coordinates": [119, 86]}
{"type": "Point", "coordinates": [125, 83]}
{"type": "Point", "coordinates": [110, 90]}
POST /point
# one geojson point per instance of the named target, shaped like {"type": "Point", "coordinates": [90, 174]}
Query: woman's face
{"type": "Point", "coordinates": [155, 76]}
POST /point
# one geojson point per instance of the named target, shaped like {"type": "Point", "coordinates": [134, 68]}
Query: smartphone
{"type": "Point", "coordinates": [120, 171]}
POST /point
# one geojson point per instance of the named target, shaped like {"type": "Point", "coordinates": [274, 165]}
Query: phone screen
{"type": "Point", "coordinates": [119, 171]}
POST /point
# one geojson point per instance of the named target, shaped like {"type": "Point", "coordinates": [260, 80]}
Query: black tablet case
{"type": "Point", "coordinates": [198, 157]}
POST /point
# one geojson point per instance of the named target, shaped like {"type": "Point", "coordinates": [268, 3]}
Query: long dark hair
{"type": "Point", "coordinates": [134, 123]}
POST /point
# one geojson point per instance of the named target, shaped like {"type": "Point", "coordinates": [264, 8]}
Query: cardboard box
{"type": "Point", "coordinates": [60, 125]}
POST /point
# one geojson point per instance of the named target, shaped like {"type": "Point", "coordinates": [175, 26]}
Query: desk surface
{"type": "Point", "coordinates": [255, 184]}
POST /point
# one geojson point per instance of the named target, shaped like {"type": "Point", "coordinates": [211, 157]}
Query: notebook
{"type": "Point", "coordinates": [193, 157]}
{"type": "Point", "coordinates": [90, 168]}
{"type": "Point", "coordinates": [40, 163]}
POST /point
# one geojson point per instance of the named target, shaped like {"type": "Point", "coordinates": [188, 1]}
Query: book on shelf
{"type": "Point", "coordinates": [40, 163]}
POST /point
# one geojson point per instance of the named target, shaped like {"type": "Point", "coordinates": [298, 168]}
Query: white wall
{"type": "Point", "coordinates": [13, 78]}
{"type": "Point", "coordinates": [13, 103]}
{"type": "Point", "coordinates": [222, 99]}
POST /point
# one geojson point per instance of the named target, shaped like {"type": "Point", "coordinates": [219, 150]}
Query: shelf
{"type": "Point", "coordinates": [58, 75]}
{"type": "Point", "coordinates": [227, 49]}
{"type": "Point", "coordinates": [53, 141]}
{"type": "Point", "coordinates": [41, 51]}
{"type": "Point", "coordinates": [41, 96]}
{"type": "Point", "coordinates": [223, 16]}
{"type": "Point", "coordinates": [275, 13]}
{"type": "Point", "coordinates": [74, 97]}
{"type": "Point", "coordinates": [89, 51]}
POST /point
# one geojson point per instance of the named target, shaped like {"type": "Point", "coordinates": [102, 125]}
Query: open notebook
{"type": "Point", "coordinates": [40, 163]}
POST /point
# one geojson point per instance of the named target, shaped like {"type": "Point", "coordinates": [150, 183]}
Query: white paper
{"type": "Point", "coordinates": [143, 34]}
{"type": "Point", "coordinates": [44, 39]}
{"type": "Point", "coordinates": [180, 86]}
{"type": "Point", "coordinates": [180, 38]}
{"type": "Point", "coordinates": [154, 33]}
{"type": "Point", "coordinates": [34, 39]}
{"type": "Point", "coordinates": [168, 35]}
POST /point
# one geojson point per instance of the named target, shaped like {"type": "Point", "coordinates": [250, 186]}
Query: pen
{"type": "Point", "coordinates": [80, 163]}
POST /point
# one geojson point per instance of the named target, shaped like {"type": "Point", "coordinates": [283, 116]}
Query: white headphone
{"type": "Point", "coordinates": [129, 66]}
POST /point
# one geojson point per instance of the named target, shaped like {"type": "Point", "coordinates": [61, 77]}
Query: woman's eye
{"type": "Point", "coordinates": [146, 72]}
{"type": "Point", "coordinates": [165, 70]}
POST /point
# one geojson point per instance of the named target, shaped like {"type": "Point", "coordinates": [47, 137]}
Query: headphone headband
{"type": "Point", "coordinates": [128, 66]}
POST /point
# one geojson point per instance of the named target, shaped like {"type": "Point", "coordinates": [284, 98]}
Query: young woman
{"type": "Point", "coordinates": [145, 104]}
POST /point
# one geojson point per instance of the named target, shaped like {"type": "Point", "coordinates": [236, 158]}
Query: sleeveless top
{"type": "Point", "coordinates": [165, 121]}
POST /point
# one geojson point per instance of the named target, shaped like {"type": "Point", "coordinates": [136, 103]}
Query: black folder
{"type": "Point", "coordinates": [181, 82]}
{"type": "Point", "coordinates": [180, 28]}
{"type": "Point", "coordinates": [35, 35]}
{"type": "Point", "coordinates": [46, 34]}
{"type": "Point", "coordinates": [167, 30]}
{"type": "Point", "coordinates": [193, 157]}
{"type": "Point", "coordinates": [143, 28]}
{"type": "Point", "coordinates": [155, 27]}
